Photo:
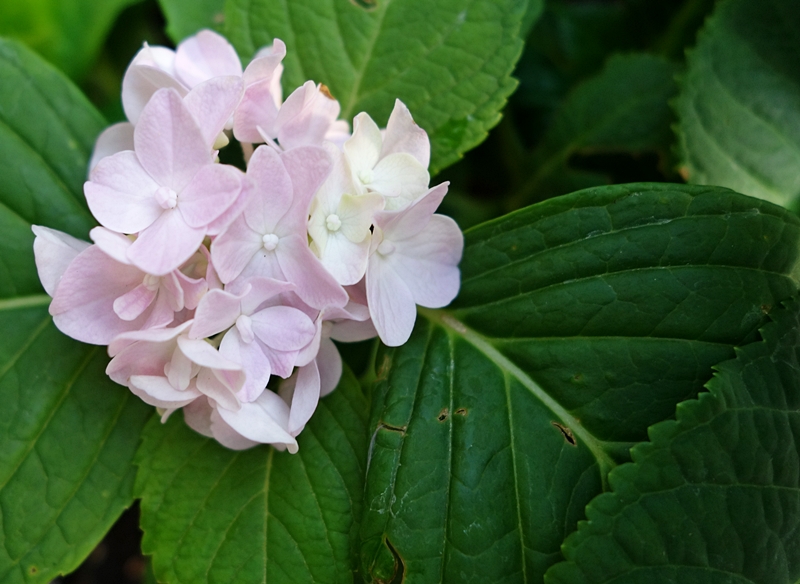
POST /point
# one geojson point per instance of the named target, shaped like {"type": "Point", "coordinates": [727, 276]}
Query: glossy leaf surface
{"type": "Point", "coordinates": [713, 496]}
{"type": "Point", "coordinates": [450, 62]}
{"type": "Point", "coordinates": [68, 33]}
{"type": "Point", "coordinates": [68, 433]}
{"type": "Point", "coordinates": [186, 18]}
{"type": "Point", "coordinates": [211, 514]}
{"type": "Point", "coordinates": [739, 106]}
{"type": "Point", "coordinates": [581, 321]}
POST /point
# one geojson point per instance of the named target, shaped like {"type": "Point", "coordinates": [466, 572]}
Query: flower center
{"type": "Point", "coordinates": [151, 282]}
{"type": "Point", "coordinates": [332, 222]}
{"type": "Point", "coordinates": [244, 325]}
{"type": "Point", "coordinates": [365, 176]}
{"type": "Point", "coordinates": [386, 248]}
{"type": "Point", "coordinates": [166, 197]}
{"type": "Point", "coordinates": [270, 241]}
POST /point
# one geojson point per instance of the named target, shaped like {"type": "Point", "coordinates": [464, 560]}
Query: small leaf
{"type": "Point", "coordinates": [186, 17]}
{"type": "Point", "coordinates": [211, 514]}
{"type": "Point", "coordinates": [68, 433]}
{"type": "Point", "coordinates": [739, 105]}
{"type": "Point", "coordinates": [69, 34]}
{"type": "Point", "coordinates": [622, 109]}
{"type": "Point", "coordinates": [450, 62]}
{"type": "Point", "coordinates": [581, 321]}
{"type": "Point", "coordinates": [713, 497]}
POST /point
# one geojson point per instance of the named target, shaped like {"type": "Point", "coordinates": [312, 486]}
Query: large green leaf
{"type": "Point", "coordinates": [739, 105]}
{"type": "Point", "coordinates": [215, 515]}
{"type": "Point", "coordinates": [450, 61]}
{"type": "Point", "coordinates": [624, 108]}
{"type": "Point", "coordinates": [186, 17]}
{"type": "Point", "coordinates": [68, 33]}
{"type": "Point", "coordinates": [714, 496]}
{"type": "Point", "coordinates": [581, 321]}
{"type": "Point", "coordinates": [68, 434]}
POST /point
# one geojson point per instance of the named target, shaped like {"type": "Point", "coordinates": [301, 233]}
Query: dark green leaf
{"type": "Point", "coordinates": [186, 17]}
{"type": "Point", "coordinates": [68, 33]}
{"type": "Point", "coordinates": [47, 131]}
{"type": "Point", "coordinates": [714, 496]}
{"type": "Point", "coordinates": [210, 514]}
{"type": "Point", "coordinates": [68, 438]}
{"type": "Point", "coordinates": [581, 322]}
{"type": "Point", "coordinates": [739, 106]}
{"type": "Point", "coordinates": [68, 434]}
{"type": "Point", "coordinates": [622, 109]}
{"type": "Point", "coordinates": [450, 62]}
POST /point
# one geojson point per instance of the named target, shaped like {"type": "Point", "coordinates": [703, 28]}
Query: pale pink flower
{"type": "Point", "coordinates": [168, 190]}
{"type": "Point", "coordinates": [390, 165]}
{"type": "Point", "coordinates": [269, 239]}
{"type": "Point", "coordinates": [414, 261]}
{"type": "Point", "coordinates": [53, 252]}
{"type": "Point", "coordinates": [165, 367]}
{"type": "Point", "coordinates": [262, 96]}
{"type": "Point", "coordinates": [340, 223]}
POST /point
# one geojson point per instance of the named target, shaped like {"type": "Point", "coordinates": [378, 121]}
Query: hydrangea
{"type": "Point", "coordinates": [205, 282]}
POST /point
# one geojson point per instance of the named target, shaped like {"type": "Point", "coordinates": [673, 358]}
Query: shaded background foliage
{"type": "Point", "coordinates": [595, 105]}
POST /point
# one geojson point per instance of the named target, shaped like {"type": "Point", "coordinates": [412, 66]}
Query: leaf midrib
{"type": "Point", "coordinates": [456, 328]}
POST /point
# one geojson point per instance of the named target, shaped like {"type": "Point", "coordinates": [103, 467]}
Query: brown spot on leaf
{"type": "Point", "coordinates": [33, 570]}
{"type": "Point", "coordinates": [684, 172]}
{"type": "Point", "coordinates": [462, 411]}
{"type": "Point", "coordinates": [443, 415]}
{"type": "Point", "coordinates": [566, 432]}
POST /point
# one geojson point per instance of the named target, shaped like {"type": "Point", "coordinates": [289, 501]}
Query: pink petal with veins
{"type": "Point", "coordinates": [166, 244]}
{"type": "Point", "coordinates": [168, 141]}
{"type": "Point", "coordinates": [205, 55]}
{"type": "Point", "coordinates": [120, 194]}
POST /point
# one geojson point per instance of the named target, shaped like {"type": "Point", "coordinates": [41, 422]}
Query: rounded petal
{"type": "Point", "coordinates": [404, 135]}
{"type": "Point", "coordinates": [165, 245]}
{"type": "Point", "coordinates": [401, 178]}
{"type": "Point", "coordinates": [283, 328]}
{"type": "Point", "coordinates": [212, 103]}
{"type": "Point", "coordinates": [205, 55]}
{"type": "Point", "coordinates": [208, 195]}
{"type": "Point", "coordinates": [315, 285]}
{"type": "Point", "coordinates": [264, 420]}
{"type": "Point", "coordinates": [329, 363]}
{"type": "Point", "coordinates": [54, 251]}
{"type": "Point", "coordinates": [111, 243]}
{"type": "Point", "coordinates": [141, 81]}
{"type": "Point", "coordinates": [254, 362]}
{"type": "Point", "coordinates": [120, 194]}
{"type": "Point", "coordinates": [157, 391]}
{"type": "Point", "coordinates": [168, 141]}
{"type": "Point", "coordinates": [234, 248]}
{"type": "Point", "coordinates": [363, 149]}
{"type": "Point", "coordinates": [113, 139]}
{"type": "Point", "coordinates": [306, 116]}
{"type": "Point", "coordinates": [391, 304]}
{"type": "Point", "coordinates": [305, 397]}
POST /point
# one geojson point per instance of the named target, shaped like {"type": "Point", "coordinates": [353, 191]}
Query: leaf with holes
{"type": "Point", "coordinates": [68, 434]}
{"type": "Point", "coordinates": [712, 497]}
{"type": "Point", "coordinates": [581, 321]}
{"type": "Point", "coordinates": [210, 514]}
{"type": "Point", "coordinates": [739, 106]}
{"type": "Point", "coordinates": [450, 61]}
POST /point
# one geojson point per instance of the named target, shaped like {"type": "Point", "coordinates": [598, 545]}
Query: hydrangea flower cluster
{"type": "Point", "coordinates": [205, 281]}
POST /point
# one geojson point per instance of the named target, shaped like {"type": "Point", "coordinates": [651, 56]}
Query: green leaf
{"type": "Point", "coordinates": [622, 109]}
{"type": "Point", "coordinates": [450, 62]}
{"type": "Point", "coordinates": [68, 33]}
{"type": "Point", "coordinates": [211, 514]}
{"type": "Point", "coordinates": [184, 18]}
{"type": "Point", "coordinates": [581, 321]}
{"type": "Point", "coordinates": [714, 496]}
{"type": "Point", "coordinates": [47, 131]}
{"type": "Point", "coordinates": [68, 433]}
{"type": "Point", "coordinates": [739, 105]}
{"type": "Point", "coordinates": [68, 438]}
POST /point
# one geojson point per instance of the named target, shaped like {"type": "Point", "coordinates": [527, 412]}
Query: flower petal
{"type": "Point", "coordinates": [113, 139]}
{"type": "Point", "coordinates": [212, 103]}
{"type": "Point", "coordinates": [205, 55]}
{"type": "Point", "coordinates": [166, 244]}
{"type": "Point", "coordinates": [391, 304]}
{"type": "Point", "coordinates": [212, 190]}
{"type": "Point", "coordinates": [404, 135]}
{"type": "Point", "coordinates": [283, 328]}
{"type": "Point", "coordinates": [54, 251]}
